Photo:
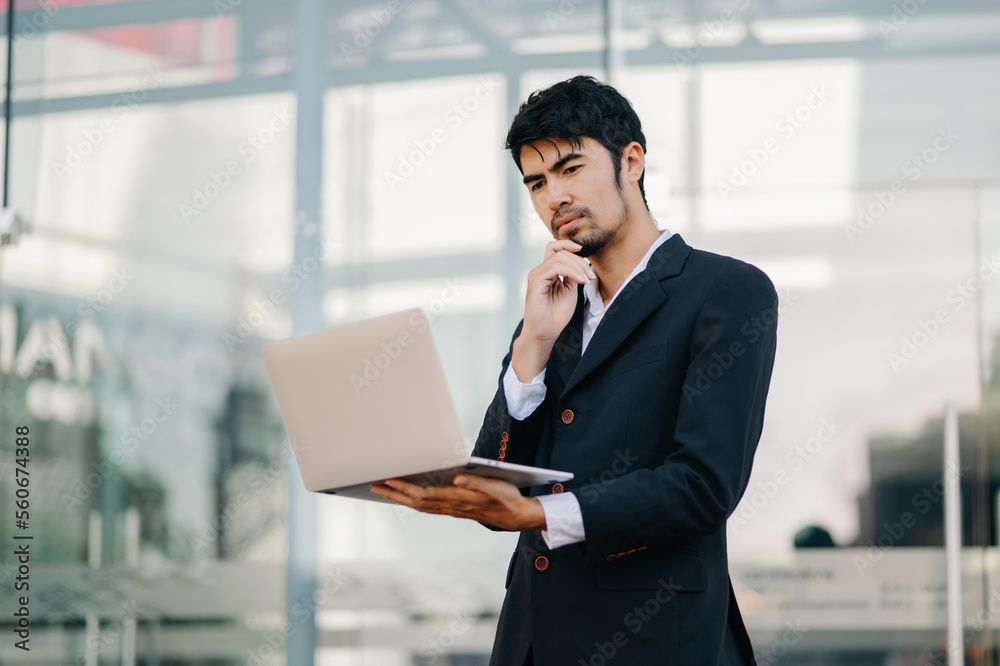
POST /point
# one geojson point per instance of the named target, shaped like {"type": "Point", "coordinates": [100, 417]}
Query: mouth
{"type": "Point", "coordinates": [568, 221]}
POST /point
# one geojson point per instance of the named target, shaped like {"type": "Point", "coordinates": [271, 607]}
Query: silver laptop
{"type": "Point", "coordinates": [368, 401]}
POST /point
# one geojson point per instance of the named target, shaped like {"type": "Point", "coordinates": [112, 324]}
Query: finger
{"type": "Point", "coordinates": [574, 260]}
{"type": "Point", "coordinates": [491, 487]}
{"type": "Point", "coordinates": [560, 266]}
{"type": "Point", "coordinates": [423, 505]}
{"type": "Point", "coordinates": [476, 482]}
{"type": "Point", "coordinates": [416, 491]}
{"type": "Point", "coordinates": [567, 265]}
{"type": "Point", "coordinates": [434, 499]}
{"type": "Point", "coordinates": [395, 496]}
{"type": "Point", "coordinates": [563, 258]}
{"type": "Point", "coordinates": [403, 486]}
{"type": "Point", "coordinates": [467, 481]}
{"type": "Point", "coordinates": [475, 504]}
{"type": "Point", "coordinates": [565, 244]}
{"type": "Point", "coordinates": [566, 255]}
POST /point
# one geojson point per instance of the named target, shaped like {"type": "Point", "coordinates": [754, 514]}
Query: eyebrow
{"type": "Point", "coordinates": [555, 167]}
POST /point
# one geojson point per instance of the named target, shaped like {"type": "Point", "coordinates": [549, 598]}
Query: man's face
{"type": "Point", "coordinates": [575, 190]}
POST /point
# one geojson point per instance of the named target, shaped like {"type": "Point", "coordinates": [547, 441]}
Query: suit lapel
{"type": "Point", "coordinates": [640, 297]}
{"type": "Point", "coordinates": [566, 351]}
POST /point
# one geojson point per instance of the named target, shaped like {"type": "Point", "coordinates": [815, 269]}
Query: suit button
{"type": "Point", "coordinates": [558, 488]}
{"type": "Point", "coordinates": [567, 416]}
{"type": "Point", "coordinates": [504, 436]}
{"type": "Point", "coordinates": [541, 563]}
{"type": "Point", "coordinates": [503, 446]}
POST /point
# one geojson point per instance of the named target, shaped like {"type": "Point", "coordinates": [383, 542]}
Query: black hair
{"type": "Point", "coordinates": [575, 108]}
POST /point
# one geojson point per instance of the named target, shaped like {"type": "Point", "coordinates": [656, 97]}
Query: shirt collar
{"type": "Point", "coordinates": [593, 297]}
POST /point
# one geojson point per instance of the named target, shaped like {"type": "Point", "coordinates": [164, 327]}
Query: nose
{"type": "Point", "coordinates": [558, 195]}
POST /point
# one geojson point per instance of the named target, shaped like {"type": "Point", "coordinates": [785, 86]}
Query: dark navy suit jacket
{"type": "Point", "coordinates": [658, 421]}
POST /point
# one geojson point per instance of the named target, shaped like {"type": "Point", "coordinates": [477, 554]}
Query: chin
{"type": "Point", "coordinates": [592, 242]}
{"type": "Point", "coordinates": [589, 246]}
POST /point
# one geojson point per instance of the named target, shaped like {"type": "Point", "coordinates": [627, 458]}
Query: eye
{"type": "Point", "coordinates": [537, 184]}
{"type": "Point", "coordinates": [572, 168]}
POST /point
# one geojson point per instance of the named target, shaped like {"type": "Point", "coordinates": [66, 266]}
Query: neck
{"type": "Point", "coordinates": [617, 259]}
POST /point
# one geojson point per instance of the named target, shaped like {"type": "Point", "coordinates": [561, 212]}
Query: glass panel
{"type": "Point", "coordinates": [435, 180]}
{"type": "Point", "coordinates": [154, 158]}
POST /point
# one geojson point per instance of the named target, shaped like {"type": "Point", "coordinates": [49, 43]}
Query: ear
{"type": "Point", "coordinates": [633, 162]}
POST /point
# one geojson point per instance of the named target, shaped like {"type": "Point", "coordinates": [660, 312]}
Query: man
{"type": "Point", "coordinates": [644, 372]}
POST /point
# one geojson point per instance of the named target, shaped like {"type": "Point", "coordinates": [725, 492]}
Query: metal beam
{"type": "Point", "coordinates": [135, 12]}
{"type": "Point", "coordinates": [655, 54]}
{"type": "Point", "coordinates": [473, 20]}
{"type": "Point", "coordinates": [513, 249]}
{"type": "Point", "coordinates": [138, 12]}
{"type": "Point", "coordinates": [306, 302]}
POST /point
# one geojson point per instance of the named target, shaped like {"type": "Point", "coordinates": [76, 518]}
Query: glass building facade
{"type": "Point", "coordinates": [196, 178]}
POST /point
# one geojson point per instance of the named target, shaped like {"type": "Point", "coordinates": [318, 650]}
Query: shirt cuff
{"type": "Point", "coordinates": [563, 519]}
{"type": "Point", "coordinates": [523, 399]}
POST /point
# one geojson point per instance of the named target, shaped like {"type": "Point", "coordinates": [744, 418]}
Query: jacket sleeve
{"type": "Point", "coordinates": [521, 436]}
{"type": "Point", "coordinates": [500, 431]}
{"type": "Point", "coordinates": [719, 421]}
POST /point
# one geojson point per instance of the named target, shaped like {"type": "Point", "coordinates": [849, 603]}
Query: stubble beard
{"type": "Point", "coordinates": [597, 238]}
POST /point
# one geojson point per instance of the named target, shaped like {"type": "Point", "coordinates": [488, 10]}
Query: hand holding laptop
{"type": "Point", "coordinates": [492, 501]}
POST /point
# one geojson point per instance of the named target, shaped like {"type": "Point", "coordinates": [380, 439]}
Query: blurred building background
{"type": "Point", "coordinates": [198, 177]}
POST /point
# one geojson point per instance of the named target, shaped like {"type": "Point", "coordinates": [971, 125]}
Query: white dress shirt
{"type": "Point", "coordinates": [563, 519]}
